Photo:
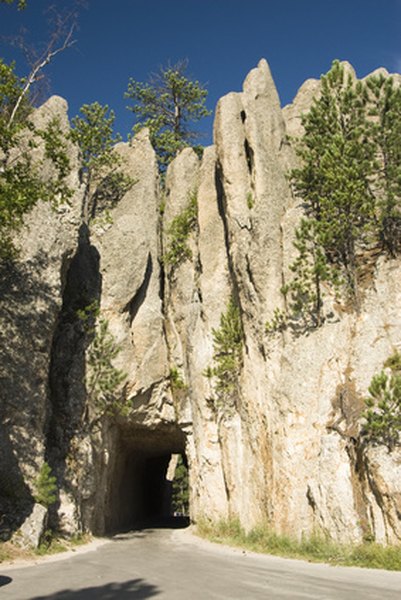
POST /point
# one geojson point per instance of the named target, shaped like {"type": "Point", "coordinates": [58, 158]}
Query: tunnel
{"type": "Point", "coordinates": [139, 490]}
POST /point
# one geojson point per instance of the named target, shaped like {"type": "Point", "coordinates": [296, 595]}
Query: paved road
{"type": "Point", "coordinates": [173, 565]}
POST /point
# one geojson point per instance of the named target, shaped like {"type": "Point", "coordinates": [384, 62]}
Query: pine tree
{"type": "Point", "coordinates": [383, 415]}
{"type": "Point", "coordinates": [167, 104]}
{"type": "Point", "coordinates": [103, 379]}
{"type": "Point", "coordinates": [178, 233]}
{"type": "Point", "coordinates": [334, 181]}
{"type": "Point", "coordinates": [46, 486]}
{"type": "Point", "coordinates": [180, 497]}
{"type": "Point", "coordinates": [93, 132]}
{"type": "Point", "coordinates": [311, 269]}
{"type": "Point", "coordinates": [349, 184]}
{"type": "Point", "coordinates": [385, 129]}
{"type": "Point", "coordinates": [227, 359]}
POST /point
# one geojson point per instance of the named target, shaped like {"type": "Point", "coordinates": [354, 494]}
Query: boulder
{"type": "Point", "coordinates": [31, 531]}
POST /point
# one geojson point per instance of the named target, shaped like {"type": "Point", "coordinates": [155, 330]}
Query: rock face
{"type": "Point", "coordinates": [31, 299]}
{"type": "Point", "coordinates": [33, 528]}
{"type": "Point", "coordinates": [287, 451]}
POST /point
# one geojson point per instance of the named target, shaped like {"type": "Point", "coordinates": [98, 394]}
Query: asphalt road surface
{"type": "Point", "coordinates": [174, 565]}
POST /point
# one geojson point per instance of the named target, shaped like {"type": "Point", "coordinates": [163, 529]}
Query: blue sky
{"type": "Point", "coordinates": [222, 40]}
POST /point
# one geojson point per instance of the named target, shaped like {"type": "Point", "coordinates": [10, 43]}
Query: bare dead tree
{"type": "Point", "coordinates": [35, 73]}
{"type": "Point", "coordinates": [62, 25]}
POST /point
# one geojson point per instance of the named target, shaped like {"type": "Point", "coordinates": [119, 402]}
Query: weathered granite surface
{"type": "Point", "coordinates": [289, 452]}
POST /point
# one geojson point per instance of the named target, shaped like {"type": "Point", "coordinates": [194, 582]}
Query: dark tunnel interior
{"type": "Point", "coordinates": [140, 487]}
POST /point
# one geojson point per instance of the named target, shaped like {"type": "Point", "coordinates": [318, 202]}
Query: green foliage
{"type": "Point", "coordinates": [338, 162]}
{"type": "Point", "coordinates": [385, 129]}
{"type": "Point", "coordinates": [51, 543]}
{"type": "Point", "coordinates": [199, 150]}
{"type": "Point", "coordinates": [176, 380]}
{"type": "Point", "coordinates": [350, 187]}
{"type": "Point", "coordinates": [180, 496]}
{"type": "Point", "coordinates": [303, 293]}
{"type": "Point", "coordinates": [93, 132]}
{"type": "Point", "coordinates": [88, 317]}
{"type": "Point", "coordinates": [105, 183]}
{"type": "Point", "coordinates": [227, 359]}
{"type": "Point", "coordinates": [208, 372]}
{"type": "Point", "coordinates": [178, 233]}
{"type": "Point", "coordinates": [56, 189]}
{"type": "Point", "coordinates": [250, 202]}
{"type": "Point", "coordinates": [316, 548]}
{"type": "Point", "coordinates": [277, 323]}
{"type": "Point", "coordinates": [382, 419]}
{"type": "Point", "coordinates": [167, 104]}
{"type": "Point", "coordinates": [56, 150]}
{"type": "Point", "coordinates": [45, 486]}
{"type": "Point", "coordinates": [393, 362]}
{"type": "Point", "coordinates": [21, 4]}
{"type": "Point", "coordinates": [103, 379]}
{"type": "Point", "coordinates": [11, 87]}
{"type": "Point", "coordinates": [25, 180]}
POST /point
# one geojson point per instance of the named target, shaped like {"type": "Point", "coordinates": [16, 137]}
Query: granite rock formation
{"type": "Point", "coordinates": [288, 451]}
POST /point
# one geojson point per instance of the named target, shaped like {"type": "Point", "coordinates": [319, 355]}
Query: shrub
{"type": "Point", "coordinates": [45, 486]}
{"type": "Point", "coordinates": [176, 380]}
{"type": "Point", "coordinates": [178, 233]}
{"type": "Point", "coordinates": [277, 323]}
{"type": "Point", "coordinates": [227, 359]}
{"type": "Point", "coordinates": [383, 415]}
{"type": "Point", "coordinates": [180, 499]}
{"type": "Point", "coordinates": [103, 379]}
{"type": "Point", "coordinates": [250, 202]}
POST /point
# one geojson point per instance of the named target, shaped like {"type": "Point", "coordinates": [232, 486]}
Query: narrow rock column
{"type": "Point", "coordinates": [31, 291]}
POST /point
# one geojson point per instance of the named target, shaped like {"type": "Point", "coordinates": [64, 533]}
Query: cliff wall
{"type": "Point", "coordinates": [286, 449]}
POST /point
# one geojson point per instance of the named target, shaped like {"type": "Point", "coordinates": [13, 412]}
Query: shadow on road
{"type": "Point", "coordinates": [4, 580]}
{"type": "Point", "coordinates": [137, 588]}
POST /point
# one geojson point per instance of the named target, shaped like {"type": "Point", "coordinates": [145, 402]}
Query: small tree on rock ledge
{"type": "Point", "coordinates": [100, 164]}
{"type": "Point", "coordinates": [383, 415]}
{"type": "Point", "coordinates": [46, 486]}
{"type": "Point", "coordinates": [167, 104]}
{"type": "Point", "coordinates": [228, 341]}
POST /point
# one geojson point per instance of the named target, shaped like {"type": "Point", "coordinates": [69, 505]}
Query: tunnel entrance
{"type": "Point", "coordinates": [140, 489]}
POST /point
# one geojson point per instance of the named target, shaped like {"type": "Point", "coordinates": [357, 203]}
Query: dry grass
{"type": "Point", "coordinates": [9, 553]}
{"type": "Point", "coordinates": [51, 545]}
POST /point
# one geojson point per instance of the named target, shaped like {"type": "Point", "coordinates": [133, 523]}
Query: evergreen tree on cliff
{"type": "Point", "coordinates": [349, 183]}
{"type": "Point", "coordinates": [167, 104]}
